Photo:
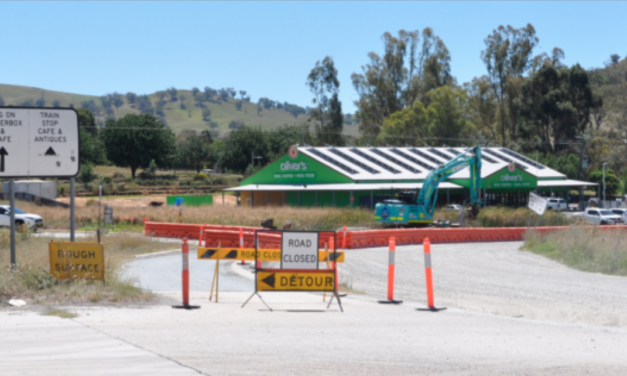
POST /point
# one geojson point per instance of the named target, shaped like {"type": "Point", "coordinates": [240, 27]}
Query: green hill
{"type": "Point", "coordinates": [186, 112]}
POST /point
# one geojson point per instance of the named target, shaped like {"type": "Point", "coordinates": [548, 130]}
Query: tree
{"type": "Point", "coordinates": [206, 114]}
{"type": "Point", "coordinates": [402, 76]}
{"type": "Point", "coordinates": [87, 121]}
{"type": "Point", "coordinates": [173, 94]}
{"type": "Point", "coordinates": [238, 147]}
{"type": "Point", "coordinates": [556, 105]}
{"type": "Point", "coordinates": [281, 138]}
{"type": "Point", "coordinates": [195, 91]}
{"type": "Point", "coordinates": [611, 180]}
{"type": "Point", "coordinates": [131, 98]}
{"type": "Point", "coordinates": [41, 102]}
{"type": "Point", "coordinates": [238, 105]}
{"type": "Point", "coordinates": [194, 151]}
{"type": "Point", "coordinates": [135, 140]}
{"type": "Point", "coordinates": [323, 83]}
{"type": "Point", "coordinates": [242, 94]}
{"type": "Point", "coordinates": [447, 107]}
{"type": "Point", "coordinates": [507, 57]}
{"type": "Point", "coordinates": [614, 58]}
{"type": "Point", "coordinates": [482, 105]}
{"type": "Point", "coordinates": [86, 174]}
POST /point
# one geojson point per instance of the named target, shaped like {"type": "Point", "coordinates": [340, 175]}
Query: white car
{"type": "Point", "coordinates": [597, 216]}
{"type": "Point", "coordinates": [556, 204]}
{"type": "Point", "coordinates": [622, 213]}
{"type": "Point", "coordinates": [452, 208]}
{"type": "Point", "coordinates": [32, 221]}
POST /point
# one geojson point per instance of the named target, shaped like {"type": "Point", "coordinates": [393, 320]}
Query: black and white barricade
{"type": "Point", "coordinates": [300, 268]}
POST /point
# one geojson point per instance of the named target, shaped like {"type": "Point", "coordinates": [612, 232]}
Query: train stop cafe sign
{"type": "Point", "coordinates": [38, 142]}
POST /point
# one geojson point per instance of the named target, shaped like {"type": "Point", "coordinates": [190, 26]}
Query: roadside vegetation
{"type": "Point", "coordinates": [500, 216]}
{"type": "Point", "coordinates": [31, 279]}
{"type": "Point", "coordinates": [584, 248]}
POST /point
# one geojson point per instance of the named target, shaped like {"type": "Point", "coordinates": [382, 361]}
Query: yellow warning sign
{"type": "Point", "coordinates": [305, 280]}
{"type": "Point", "coordinates": [248, 254]}
{"type": "Point", "coordinates": [76, 260]}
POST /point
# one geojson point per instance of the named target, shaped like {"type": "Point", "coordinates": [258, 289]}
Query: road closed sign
{"type": "Point", "coordinates": [38, 142]}
{"type": "Point", "coordinates": [299, 250]}
{"type": "Point", "coordinates": [76, 260]}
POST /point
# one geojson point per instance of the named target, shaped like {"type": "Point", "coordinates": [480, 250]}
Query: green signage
{"type": "Point", "coordinates": [505, 178]}
{"type": "Point", "coordinates": [299, 170]}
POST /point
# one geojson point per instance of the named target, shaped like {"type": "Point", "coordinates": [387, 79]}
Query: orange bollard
{"type": "Point", "coordinates": [430, 301]}
{"type": "Point", "coordinates": [185, 253]}
{"type": "Point", "coordinates": [344, 239]}
{"type": "Point", "coordinates": [391, 267]}
{"type": "Point", "coordinates": [241, 243]}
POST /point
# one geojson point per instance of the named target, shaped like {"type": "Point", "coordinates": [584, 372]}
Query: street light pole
{"type": "Point", "coordinates": [604, 184]}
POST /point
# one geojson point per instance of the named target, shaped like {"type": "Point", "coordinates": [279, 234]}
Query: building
{"type": "Point", "coordinates": [310, 176]}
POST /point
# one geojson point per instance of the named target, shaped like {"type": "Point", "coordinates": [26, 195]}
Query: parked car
{"type": "Point", "coordinates": [556, 204]}
{"type": "Point", "coordinates": [452, 208]}
{"type": "Point", "coordinates": [622, 213]}
{"type": "Point", "coordinates": [32, 221]}
{"type": "Point", "coordinates": [596, 216]}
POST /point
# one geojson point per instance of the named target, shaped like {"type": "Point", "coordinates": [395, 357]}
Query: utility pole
{"type": "Point", "coordinates": [604, 184]}
{"type": "Point", "coordinates": [579, 174]}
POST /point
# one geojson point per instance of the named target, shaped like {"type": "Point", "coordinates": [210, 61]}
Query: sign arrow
{"type": "Point", "coordinates": [3, 153]}
{"type": "Point", "coordinates": [269, 280]}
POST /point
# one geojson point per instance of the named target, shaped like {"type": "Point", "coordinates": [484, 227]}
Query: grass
{"type": "Point", "coordinates": [583, 248]}
{"type": "Point", "coordinates": [31, 279]}
{"type": "Point", "coordinates": [59, 313]}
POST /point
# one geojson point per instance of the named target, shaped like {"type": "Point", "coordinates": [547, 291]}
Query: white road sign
{"type": "Point", "coordinates": [537, 203]}
{"type": "Point", "coordinates": [299, 250]}
{"type": "Point", "coordinates": [38, 142]}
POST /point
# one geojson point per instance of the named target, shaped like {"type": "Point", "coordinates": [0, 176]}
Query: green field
{"type": "Point", "coordinates": [178, 119]}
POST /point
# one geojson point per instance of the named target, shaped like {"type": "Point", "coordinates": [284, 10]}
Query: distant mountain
{"type": "Point", "coordinates": [179, 109]}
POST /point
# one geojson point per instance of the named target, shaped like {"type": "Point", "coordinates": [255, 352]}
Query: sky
{"type": "Point", "coordinates": [269, 48]}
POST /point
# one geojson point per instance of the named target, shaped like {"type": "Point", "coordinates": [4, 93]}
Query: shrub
{"type": "Point", "coordinates": [201, 177]}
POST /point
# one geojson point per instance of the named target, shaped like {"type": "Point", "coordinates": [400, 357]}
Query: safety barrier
{"type": "Point", "coordinates": [229, 236]}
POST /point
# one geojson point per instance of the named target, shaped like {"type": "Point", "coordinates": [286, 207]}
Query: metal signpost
{"type": "Point", "coordinates": [299, 269]}
{"type": "Point", "coordinates": [38, 142]}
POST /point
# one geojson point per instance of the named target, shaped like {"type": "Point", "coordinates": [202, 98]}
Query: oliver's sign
{"type": "Point", "coordinates": [510, 178]}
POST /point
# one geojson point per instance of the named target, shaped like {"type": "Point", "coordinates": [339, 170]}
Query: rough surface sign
{"type": "Point", "coordinates": [38, 142]}
{"type": "Point", "coordinates": [76, 260]}
{"type": "Point", "coordinates": [299, 250]}
{"type": "Point", "coordinates": [537, 204]}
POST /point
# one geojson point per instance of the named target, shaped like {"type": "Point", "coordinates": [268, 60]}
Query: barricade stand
{"type": "Point", "coordinates": [185, 252]}
{"type": "Point", "coordinates": [216, 277]}
{"type": "Point", "coordinates": [298, 249]}
{"type": "Point", "coordinates": [430, 304]}
{"type": "Point", "coordinates": [333, 266]}
{"type": "Point", "coordinates": [391, 266]}
{"type": "Point", "coordinates": [344, 238]}
{"type": "Point", "coordinates": [241, 243]}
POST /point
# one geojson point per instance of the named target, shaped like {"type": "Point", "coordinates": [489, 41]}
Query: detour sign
{"type": "Point", "coordinates": [76, 260]}
{"type": "Point", "coordinates": [297, 280]}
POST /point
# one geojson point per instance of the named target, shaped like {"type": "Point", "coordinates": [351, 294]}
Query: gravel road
{"type": "Point", "coordinates": [494, 278]}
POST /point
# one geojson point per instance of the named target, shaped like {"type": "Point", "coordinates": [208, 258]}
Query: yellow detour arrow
{"type": "Point", "coordinates": [297, 280]}
{"type": "Point", "coordinates": [76, 260]}
{"type": "Point", "coordinates": [248, 254]}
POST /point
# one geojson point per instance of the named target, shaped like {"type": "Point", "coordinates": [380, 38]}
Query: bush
{"type": "Point", "coordinates": [106, 180]}
{"type": "Point", "coordinates": [508, 217]}
{"type": "Point", "coordinates": [86, 174]}
{"type": "Point", "coordinates": [201, 177]}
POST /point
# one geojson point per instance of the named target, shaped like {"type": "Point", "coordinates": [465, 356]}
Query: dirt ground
{"type": "Point", "coordinates": [140, 201]}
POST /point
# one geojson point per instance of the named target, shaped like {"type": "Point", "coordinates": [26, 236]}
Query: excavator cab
{"type": "Point", "coordinates": [407, 197]}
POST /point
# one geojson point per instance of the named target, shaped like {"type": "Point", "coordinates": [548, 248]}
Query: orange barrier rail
{"type": "Point", "coordinates": [229, 236]}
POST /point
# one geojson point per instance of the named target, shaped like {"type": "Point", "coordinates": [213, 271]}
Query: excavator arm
{"type": "Point", "coordinates": [429, 192]}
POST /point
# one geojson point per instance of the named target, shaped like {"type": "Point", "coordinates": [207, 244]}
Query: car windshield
{"type": "Point", "coordinates": [606, 212]}
{"type": "Point", "coordinates": [17, 210]}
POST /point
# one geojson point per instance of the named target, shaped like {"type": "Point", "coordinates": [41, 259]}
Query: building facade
{"type": "Point", "coordinates": [310, 176]}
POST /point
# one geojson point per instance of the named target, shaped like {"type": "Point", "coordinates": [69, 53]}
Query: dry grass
{"type": "Point", "coordinates": [508, 217]}
{"type": "Point", "coordinates": [31, 279]}
{"type": "Point", "coordinates": [133, 217]}
{"type": "Point", "coordinates": [583, 248]}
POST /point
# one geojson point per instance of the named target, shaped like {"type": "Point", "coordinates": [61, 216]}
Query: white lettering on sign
{"type": "Point", "coordinates": [299, 250]}
{"type": "Point", "coordinates": [508, 177]}
{"type": "Point", "coordinates": [297, 166]}
{"type": "Point", "coordinates": [40, 142]}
